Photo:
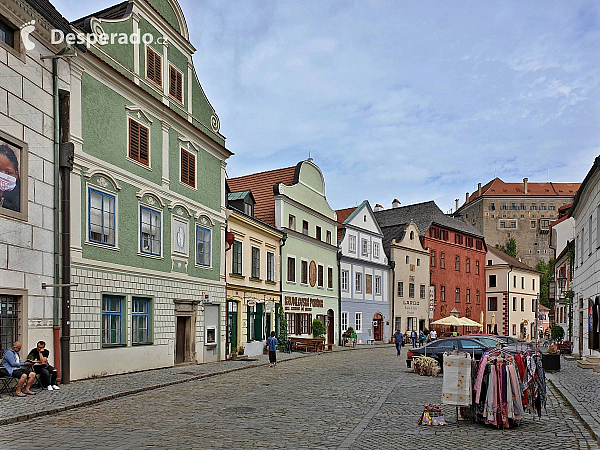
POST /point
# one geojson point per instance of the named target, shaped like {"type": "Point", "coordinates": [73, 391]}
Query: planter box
{"type": "Point", "coordinates": [551, 362]}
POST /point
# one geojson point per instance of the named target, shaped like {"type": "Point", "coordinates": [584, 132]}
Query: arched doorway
{"type": "Point", "coordinates": [378, 327]}
{"type": "Point", "coordinates": [330, 327]}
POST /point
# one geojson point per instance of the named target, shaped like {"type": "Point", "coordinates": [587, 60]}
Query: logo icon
{"type": "Point", "coordinates": [26, 30]}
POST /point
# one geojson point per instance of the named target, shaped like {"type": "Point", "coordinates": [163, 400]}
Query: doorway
{"type": "Point", "coordinates": [330, 329]}
{"type": "Point", "coordinates": [421, 324]}
{"type": "Point", "coordinates": [378, 327]}
{"type": "Point", "coordinates": [181, 338]}
{"type": "Point", "coordinates": [232, 326]}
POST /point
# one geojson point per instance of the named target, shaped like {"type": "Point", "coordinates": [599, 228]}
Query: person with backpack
{"type": "Point", "coordinates": [272, 346]}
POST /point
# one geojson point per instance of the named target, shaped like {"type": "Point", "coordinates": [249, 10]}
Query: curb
{"type": "Point", "coordinates": [94, 401]}
{"type": "Point", "coordinates": [576, 406]}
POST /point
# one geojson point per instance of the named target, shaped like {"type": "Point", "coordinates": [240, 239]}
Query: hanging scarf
{"type": "Point", "coordinates": [478, 380]}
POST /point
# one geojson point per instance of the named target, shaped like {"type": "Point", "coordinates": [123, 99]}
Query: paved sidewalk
{"type": "Point", "coordinates": [96, 390]}
{"type": "Point", "coordinates": [581, 388]}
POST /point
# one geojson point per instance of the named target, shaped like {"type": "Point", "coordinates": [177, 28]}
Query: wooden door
{"type": "Point", "coordinates": [180, 343]}
{"type": "Point", "coordinates": [233, 332]}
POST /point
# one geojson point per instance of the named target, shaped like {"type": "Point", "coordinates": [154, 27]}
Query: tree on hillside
{"type": "Point", "coordinates": [510, 248]}
{"type": "Point", "coordinates": [547, 275]}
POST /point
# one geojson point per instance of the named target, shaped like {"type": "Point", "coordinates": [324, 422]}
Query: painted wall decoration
{"type": "Point", "coordinates": [13, 176]}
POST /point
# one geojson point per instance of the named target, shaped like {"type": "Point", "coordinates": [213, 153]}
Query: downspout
{"type": "Point", "coordinates": [508, 301]}
{"type": "Point", "coordinates": [281, 244]}
{"type": "Point", "coordinates": [56, 229]}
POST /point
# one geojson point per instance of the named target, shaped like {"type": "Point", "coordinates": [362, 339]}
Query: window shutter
{"type": "Point", "coordinates": [188, 168]}
{"type": "Point", "coordinates": [138, 142]}
{"type": "Point", "coordinates": [258, 332]}
{"type": "Point", "coordinates": [144, 145]}
{"type": "Point", "coordinates": [179, 87]}
{"type": "Point", "coordinates": [154, 69]}
{"type": "Point", "coordinates": [173, 82]}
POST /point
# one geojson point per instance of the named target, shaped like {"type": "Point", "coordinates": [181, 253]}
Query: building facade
{"type": "Point", "coordinates": [364, 275]}
{"type": "Point", "coordinates": [563, 294]}
{"type": "Point", "coordinates": [512, 290]}
{"type": "Point", "coordinates": [147, 199]}
{"type": "Point", "coordinates": [29, 180]}
{"type": "Point", "coordinates": [586, 280]}
{"type": "Point", "coordinates": [522, 211]}
{"type": "Point", "coordinates": [253, 281]}
{"type": "Point", "coordinates": [293, 200]}
{"type": "Point", "coordinates": [456, 262]}
{"type": "Point", "coordinates": [410, 288]}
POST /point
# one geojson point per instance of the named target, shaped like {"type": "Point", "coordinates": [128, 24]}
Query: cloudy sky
{"type": "Point", "coordinates": [400, 99]}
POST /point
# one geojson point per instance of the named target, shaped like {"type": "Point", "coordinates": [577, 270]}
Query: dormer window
{"type": "Point", "coordinates": [249, 209]}
{"type": "Point", "coordinates": [153, 66]}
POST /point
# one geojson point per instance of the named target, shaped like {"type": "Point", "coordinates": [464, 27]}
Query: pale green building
{"type": "Point", "coordinates": [148, 197]}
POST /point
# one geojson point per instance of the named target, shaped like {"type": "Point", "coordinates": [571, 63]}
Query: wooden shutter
{"type": "Point", "coordinates": [154, 69]}
{"type": "Point", "coordinates": [138, 142]}
{"type": "Point", "coordinates": [175, 83]}
{"type": "Point", "coordinates": [188, 168]}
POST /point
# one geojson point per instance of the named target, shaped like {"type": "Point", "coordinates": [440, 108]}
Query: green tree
{"type": "Point", "coordinates": [318, 328]}
{"type": "Point", "coordinates": [510, 248]}
{"type": "Point", "coordinates": [557, 333]}
{"type": "Point", "coordinates": [547, 275]}
{"type": "Point", "coordinates": [283, 330]}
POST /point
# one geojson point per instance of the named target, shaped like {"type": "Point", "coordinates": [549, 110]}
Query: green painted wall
{"type": "Point", "coordinates": [104, 129]}
{"type": "Point", "coordinates": [166, 10]}
{"type": "Point", "coordinates": [208, 177]}
{"type": "Point", "coordinates": [128, 207]}
{"type": "Point", "coordinates": [121, 53]}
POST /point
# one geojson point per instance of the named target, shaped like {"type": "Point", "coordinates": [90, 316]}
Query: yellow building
{"type": "Point", "coordinates": [253, 276]}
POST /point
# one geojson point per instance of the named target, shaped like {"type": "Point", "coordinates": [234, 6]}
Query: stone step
{"type": "Point", "coordinates": [593, 359]}
{"type": "Point", "coordinates": [597, 368]}
{"type": "Point", "coordinates": [583, 364]}
{"type": "Point", "coordinates": [569, 358]}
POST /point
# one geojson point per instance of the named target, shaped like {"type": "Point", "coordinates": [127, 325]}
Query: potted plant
{"type": "Point", "coordinates": [347, 335]}
{"type": "Point", "coordinates": [233, 355]}
{"type": "Point", "coordinates": [240, 350]}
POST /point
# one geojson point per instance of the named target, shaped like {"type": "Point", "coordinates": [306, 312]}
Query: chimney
{"type": "Point", "coordinates": [467, 197]}
{"type": "Point", "coordinates": [479, 189]}
{"type": "Point", "coordinates": [456, 202]}
{"type": "Point", "coordinates": [525, 180]}
{"type": "Point", "coordinates": [396, 203]}
{"type": "Point", "coordinates": [378, 207]}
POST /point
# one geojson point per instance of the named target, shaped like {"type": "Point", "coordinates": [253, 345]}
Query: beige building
{"type": "Point", "coordinates": [410, 277]}
{"type": "Point", "coordinates": [253, 277]}
{"type": "Point", "coordinates": [512, 288]}
{"type": "Point", "coordinates": [523, 211]}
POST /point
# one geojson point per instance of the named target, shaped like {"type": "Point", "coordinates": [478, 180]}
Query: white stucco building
{"type": "Point", "coordinates": [586, 280]}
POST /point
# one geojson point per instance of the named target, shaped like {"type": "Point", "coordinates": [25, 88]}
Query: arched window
{"type": "Point", "coordinates": [412, 235]}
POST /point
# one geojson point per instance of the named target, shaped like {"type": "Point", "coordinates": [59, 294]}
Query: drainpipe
{"type": "Point", "coordinates": [55, 314]}
{"type": "Point", "coordinates": [508, 300]}
{"type": "Point", "coordinates": [229, 237]}
{"type": "Point", "coordinates": [281, 244]}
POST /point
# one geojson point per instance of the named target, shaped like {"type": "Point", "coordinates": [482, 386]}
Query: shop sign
{"type": "Point", "coordinates": [301, 303]}
{"type": "Point", "coordinates": [431, 301]}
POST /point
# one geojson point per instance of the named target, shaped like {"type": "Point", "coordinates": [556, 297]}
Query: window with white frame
{"type": "Point", "coordinates": [330, 278]}
{"type": "Point", "coordinates": [422, 291]}
{"type": "Point", "coordinates": [365, 247]}
{"type": "Point", "coordinates": [320, 275]}
{"type": "Point", "coordinates": [358, 322]}
{"type": "Point", "coordinates": [344, 320]}
{"type": "Point", "coordinates": [377, 285]}
{"type": "Point", "coordinates": [150, 231]}
{"type": "Point", "coordinates": [203, 244]}
{"type": "Point", "coordinates": [291, 269]}
{"type": "Point", "coordinates": [270, 266]}
{"type": "Point", "coordinates": [358, 282]}
{"type": "Point", "coordinates": [101, 211]}
{"type": "Point", "coordinates": [376, 250]}
{"type": "Point", "coordinates": [400, 289]}
{"type": "Point", "coordinates": [352, 244]}
{"type": "Point", "coordinates": [345, 280]}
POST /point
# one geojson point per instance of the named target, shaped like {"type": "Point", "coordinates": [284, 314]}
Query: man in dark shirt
{"type": "Point", "coordinates": [47, 373]}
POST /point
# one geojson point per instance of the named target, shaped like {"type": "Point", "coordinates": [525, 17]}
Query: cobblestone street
{"type": "Point", "coordinates": [354, 399]}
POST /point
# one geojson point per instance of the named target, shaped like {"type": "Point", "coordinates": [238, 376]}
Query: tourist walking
{"type": "Point", "coordinates": [413, 336]}
{"type": "Point", "coordinates": [272, 346]}
{"type": "Point", "coordinates": [398, 340]}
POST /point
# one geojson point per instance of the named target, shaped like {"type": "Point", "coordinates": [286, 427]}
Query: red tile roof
{"type": "Point", "coordinates": [261, 185]}
{"type": "Point", "coordinates": [342, 215]}
{"type": "Point", "coordinates": [497, 187]}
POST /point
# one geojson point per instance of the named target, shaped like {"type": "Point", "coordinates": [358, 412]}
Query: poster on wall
{"type": "Point", "coordinates": [13, 177]}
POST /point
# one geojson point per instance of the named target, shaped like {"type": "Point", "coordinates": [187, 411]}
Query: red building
{"type": "Point", "coordinates": [457, 261]}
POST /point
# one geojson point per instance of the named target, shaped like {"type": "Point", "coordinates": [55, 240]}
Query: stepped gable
{"type": "Point", "coordinates": [261, 184]}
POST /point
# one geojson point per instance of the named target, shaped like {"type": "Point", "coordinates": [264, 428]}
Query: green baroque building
{"type": "Point", "coordinates": [147, 197]}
